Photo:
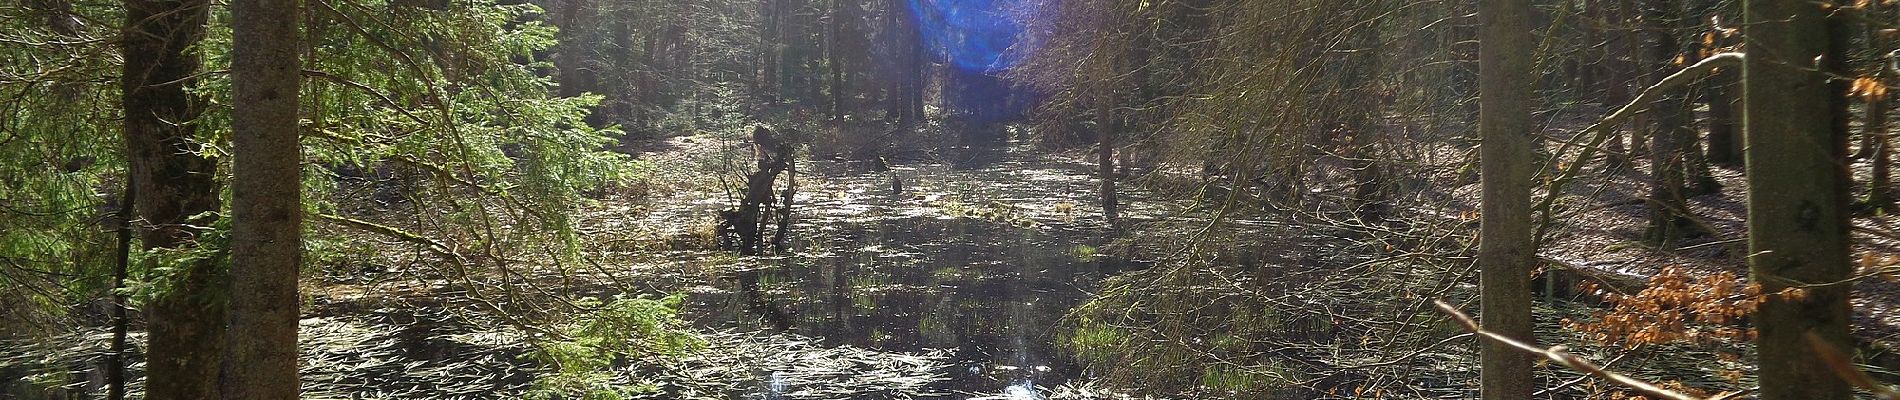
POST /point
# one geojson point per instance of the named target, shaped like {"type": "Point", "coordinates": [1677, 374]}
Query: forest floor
{"type": "Point", "coordinates": [954, 286]}
{"type": "Point", "coordinates": [1597, 236]}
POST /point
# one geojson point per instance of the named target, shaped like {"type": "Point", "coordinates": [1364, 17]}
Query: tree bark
{"type": "Point", "coordinates": [115, 362]}
{"type": "Point", "coordinates": [1880, 188]}
{"type": "Point", "coordinates": [905, 105]}
{"type": "Point", "coordinates": [266, 204]}
{"type": "Point", "coordinates": [1795, 124]}
{"type": "Point", "coordinates": [1874, 127]}
{"type": "Point", "coordinates": [1506, 249]}
{"type": "Point", "coordinates": [1725, 145]}
{"type": "Point", "coordinates": [1108, 121]}
{"type": "Point", "coordinates": [576, 78]}
{"type": "Point", "coordinates": [177, 193]}
{"type": "Point", "coordinates": [1670, 133]}
{"type": "Point", "coordinates": [1620, 75]}
{"type": "Point", "coordinates": [834, 58]}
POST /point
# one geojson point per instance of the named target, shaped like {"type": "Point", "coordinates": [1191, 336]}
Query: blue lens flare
{"type": "Point", "coordinates": [973, 35]}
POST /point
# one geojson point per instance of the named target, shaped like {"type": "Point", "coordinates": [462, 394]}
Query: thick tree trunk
{"type": "Point", "coordinates": [177, 192]}
{"type": "Point", "coordinates": [266, 205]}
{"type": "Point", "coordinates": [1796, 127]}
{"type": "Point", "coordinates": [1505, 252]}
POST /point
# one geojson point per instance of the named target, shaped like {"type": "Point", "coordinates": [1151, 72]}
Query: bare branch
{"type": "Point", "coordinates": [1557, 355]}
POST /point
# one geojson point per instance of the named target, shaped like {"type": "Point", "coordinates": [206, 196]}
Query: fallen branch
{"type": "Point", "coordinates": [1557, 355]}
{"type": "Point", "coordinates": [1601, 131]}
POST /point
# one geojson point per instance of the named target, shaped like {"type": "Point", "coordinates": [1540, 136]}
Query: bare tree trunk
{"type": "Point", "coordinates": [1796, 126]}
{"type": "Point", "coordinates": [1880, 188]}
{"type": "Point", "coordinates": [1620, 75]}
{"type": "Point", "coordinates": [266, 203]}
{"type": "Point", "coordinates": [1874, 127]}
{"type": "Point", "coordinates": [1105, 153]}
{"type": "Point", "coordinates": [1669, 131]}
{"type": "Point", "coordinates": [1725, 141]}
{"type": "Point", "coordinates": [770, 53]}
{"type": "Point", "coordinates": [1725, 144]}
{"type": "Point", "coordinates": [912, 65]}
{"type": "Point", "coordinates": [834, 57]}
{"type": "Point", "coordinates": [177, 192]}
{"type": "Point", "coordinates": [115, 362]}
{"type": "Point", "coordinates": [576, 77]}
{"type": "Point", "coordinates": [1505, 253]}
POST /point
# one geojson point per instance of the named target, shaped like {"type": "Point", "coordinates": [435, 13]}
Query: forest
{"type": "Point", "coordinates": [948, 199]}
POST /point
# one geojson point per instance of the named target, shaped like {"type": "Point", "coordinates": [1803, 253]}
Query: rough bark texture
{"type": "Point", "coordinates": [1796, 130]}
{"type": "Point", "coordinates": [1505, 250]}
{"type": "Point", "coordinates": [266, 208]}
{"type": "Point", "coordinates": [176, 192]}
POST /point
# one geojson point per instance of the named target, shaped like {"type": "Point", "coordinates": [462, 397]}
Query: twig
{"type": "Point", "coordinates": [1557, 355]}
{"type": "Point", "coordinates": [1844, 367]}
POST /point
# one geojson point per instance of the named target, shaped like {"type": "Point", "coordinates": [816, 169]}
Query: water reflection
{"type": "Point", "coordinates": [992, 292]}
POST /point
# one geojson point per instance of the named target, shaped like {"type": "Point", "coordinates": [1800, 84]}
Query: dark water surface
{"type": "Point", "coordinates": [983, 262]}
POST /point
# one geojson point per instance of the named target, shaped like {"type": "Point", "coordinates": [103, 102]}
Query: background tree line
{"type": "Point", "coordinates": [1370, 131]}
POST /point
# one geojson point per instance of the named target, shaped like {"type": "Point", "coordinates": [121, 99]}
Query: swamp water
{"type": "Point", "coordinates": [955, 286]}
{"type": "Point", "coordinates": [977, 265]}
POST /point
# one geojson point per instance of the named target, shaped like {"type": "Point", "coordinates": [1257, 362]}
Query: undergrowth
{"type": "Point", "coordinates": [616, 336]}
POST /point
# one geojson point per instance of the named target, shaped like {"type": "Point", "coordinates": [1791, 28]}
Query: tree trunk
{"type": "Point", "coordinates": [899, 40]}
{"type": "Point", "coordinates": [1669, 136]}
{"type": "Point", "coordinates": [266, 204]}
{"type": "Point", "coordinates": [769, 41]}
{"type": "Point", "coordinates": [1725, 145]}
{"type": "Point", "coordinates": [911, 63]}
{"type": "Point", "coordinates": [115, 362]}
{"type": "Point", "coordinates": [1880, 188]}
{"type": "Point", "coordinates": [177, 192]}
{"type": "Point", "coordinates": [1505, 252]}
{"type": "Point", "coordinates": [1795, 124]}
{"type": "Point", "coordinates": [1874, 127]}
{"type": "Point", "coordinates": [575, 78]}
{"type": "Point", "coordinates": [1108, 122]}
{"type": "Point", "coordinates": [834, 57]}
{"type": "Point", "coordinates": [1620, 74]}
